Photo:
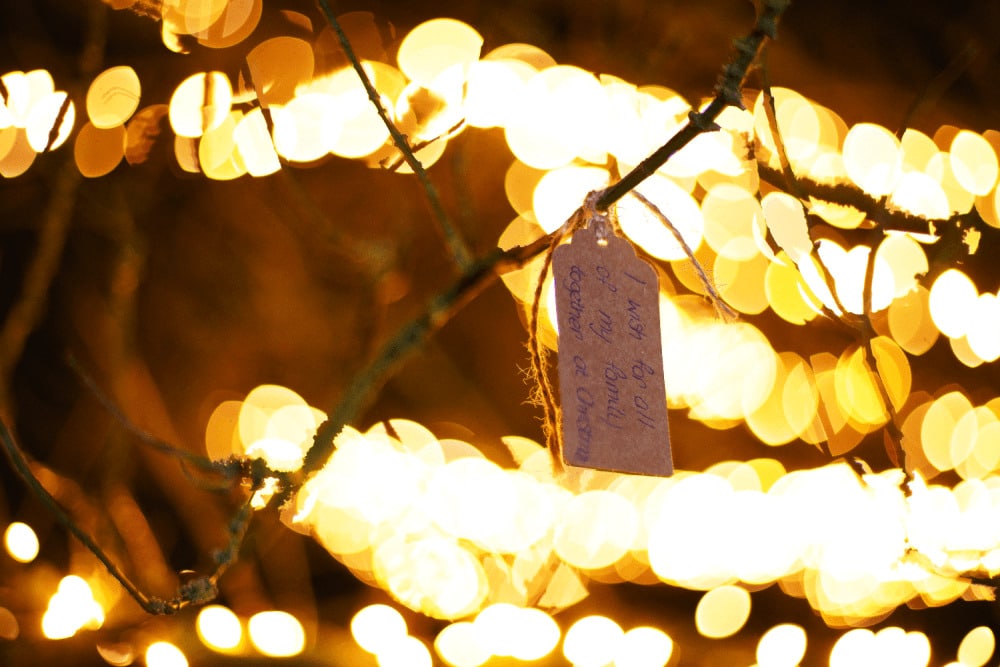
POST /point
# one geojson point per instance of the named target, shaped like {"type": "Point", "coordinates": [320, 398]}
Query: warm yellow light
{"type": "Point", "coordinates": [942, 168]}
{"type": "Point", "coordinates": [41, 125]}
{"type": "Point", "coordinates": [280, 65]}
{"type": "Point", "coordinates": [435, 46]}
{"type": "Point", "coordinates": [741, 283]}
{"type": "Point", "coordinates": [952, 303]}
{"type": "Point", "coordinates": [219, 628]}
{"type": "Point", "coordinates": [536, 635]}
{"type": "Point", "coordinates": [276, 634]}
{"type": "Point", "coordinates": [872, 158]}
{"type": "Point", "coordinates": [9, 628]}
{"type": "Point", "coordinates": [306, 128]}
{"type": "Point", "coordinates": [378, 626]}
{"type": "Point", "coordinates": [787, 292]}
{"type": "Point", "coordinates": [974, 162]}
{"type": "Point", "coordinates": [275, 424]}
{"type": "Point", "coordinates": [984, 328]}
{"type": "Point", "coordinates": [731, 213]}
{"type": "Point", "coordinates": [644, 228]}
{"type": "Point", "coordinates": [408, 652]}
{"type": "Point", "coordinates": [910, 321]}
{"type": "Point", "coordinates": [920, 194]}
{"type": "Point", "coordinates": [201, 102]}
{"type": "Point", "coordinates": [977, 647]}
{"type": "Point", "coordinates": [235, 24]}
{"type": "Point", "coordinates": [493, 88]}
{"type": "Point", "coordinates": [97, 152]}
{"type": "Point", "coordinates": [434, 575]}
{"type": "Point", "coordinates": [561, 191]}
{"type": "Point", "coordinates": [459, 646]}
{"type": "Point", "coordinates": [722, 611]}
{"type": "Point", "coordinates": [71, 609]}
{"type": "Point", "coordinates": [644, 647]}
{"type": "Point", "coordinates": [255, 146]}
{"type": "Point", "coordinates": [782, 646]}
{"type": "Point", "coordinates": [21, 542]}
{"type": "Point", "coordinates": [559, 118]}
{"type": "Point", "coordinates": [592, 641]}
{"type": "Point", "coordinates": [597, 529]}
{"type": "Point", "coordinates": [113, 97]}
{"type": "Point", "coordinates": [165, 654]}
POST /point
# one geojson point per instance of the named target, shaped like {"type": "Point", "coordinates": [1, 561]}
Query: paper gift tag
{"type": "Point", "coordinates": [614, 407]}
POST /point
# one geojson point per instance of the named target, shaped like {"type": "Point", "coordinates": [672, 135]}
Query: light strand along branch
{"type": "Point", "coordinates": [727, 93]}
{"type": "Point", "coordinates": [460, 252]}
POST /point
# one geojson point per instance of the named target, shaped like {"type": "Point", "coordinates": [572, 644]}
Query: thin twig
{"type": "Point", "coordinates": [727, 93]}
{"type": "Point", "coordinates": [723, 309]}
{"type": "Point", "coordinates": [19, 461]}
{"type": "Point", "coordinates": [25, 314]}
{"type": "Point", "coordinates": [791, 182]}
{"type": "Point", "coordinates": [894, 445]}
{"type": "Point", "coordinates": [459, 251]}
{"type": "Point", "coordinates": [196, 460]}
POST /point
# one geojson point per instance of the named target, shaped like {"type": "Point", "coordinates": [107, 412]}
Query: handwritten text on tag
{"type": "Point", "coordinates": [614, 408]}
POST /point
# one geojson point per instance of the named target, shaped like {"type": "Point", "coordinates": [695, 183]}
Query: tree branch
{"type": "Point", "coordinates": [459, 251]}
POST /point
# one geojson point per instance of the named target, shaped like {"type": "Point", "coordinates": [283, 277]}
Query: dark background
{"type": "Point", "coordinates": [176, 293]}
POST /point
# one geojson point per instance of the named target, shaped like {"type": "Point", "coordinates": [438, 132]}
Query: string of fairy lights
{"type": "Point", "coordinates": [497, 552]}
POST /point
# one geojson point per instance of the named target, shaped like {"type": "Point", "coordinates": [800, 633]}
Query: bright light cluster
{"type": "Point", "coordinates": [34, 117]}
{"type": "Point", "coordinates": [449, 533]}
{"type": "Point", "coordinates": [381, 630]}
{"type": "Point", "coordinates": [71, 608]}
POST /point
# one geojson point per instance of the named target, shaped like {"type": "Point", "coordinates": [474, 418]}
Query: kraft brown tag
{"type": "Point", "coordinates": [614, 406]}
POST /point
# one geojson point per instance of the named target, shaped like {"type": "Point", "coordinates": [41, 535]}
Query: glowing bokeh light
{"type": "Point", "coordinates": [71, 609]}
{"type": "Point", "coordinates": [974, 162]}
{"type": "Point", "coordinates": [276, 634]}
{"type": "Point", "coordinates": [458, 645]}
{"type": "Point", "coordinates": [435, 46]}
{"type": "Point", "coordinates": [644, 647]}
{"type": "Point", "coordinates": [43, 133]}
{"type": "Point", "coordinates": [782, 646]}
{"type": "Point", "coordinates": [21, 542]}
{"type": "Point", "coordinates": [407, 652]}
{"type": "Point", "coordinates": [113, 97]}
{"type": "Point", "coordinates": [219, 628]}
{"type": "Point", "coordinates": [200, 103]}
{"type": "Point", "coordinates": [165, 654]}
{"type": "Point", "coordinates": [977, 647]}
{"type": "Point", "coordinates": [952, 303]}
{"type": "Point", "coordinates": [872, 158]}
{"type": "Point", "coordinates": [592, 641]}
{"type": "Point", "coordinates": [722, 611]}
{"type": "Point", "coordinates": [377, 626]}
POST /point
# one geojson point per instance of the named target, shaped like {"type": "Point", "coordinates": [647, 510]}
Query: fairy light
{"type": "Point", "coordinates": [452, 535]}
{"type": "Point", "coordinates": [458, 645]}
{"type": "Point", "coordinates": [165, 654]}
{"type": "Point", "coordinates": [592, 641]}
{"type": "Point", "coordinates": [21, 542]}
{"type": "Point", "coordinates": [644, 647]}
{"type": "Point", "coordinates": [977, 647]}
{"type": "Point", "coordinates": [219, 628]}
{"type": "Point", "coordinates": [71, 609]}
{"type": "Point", "coordinates": [782, 646]}
{"type": "Point", "coordinates": [191, 112]}
{"type": "Point", "coordinates": [276, 634]}
{"type": "Point", "coordinates": [377, 626]}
